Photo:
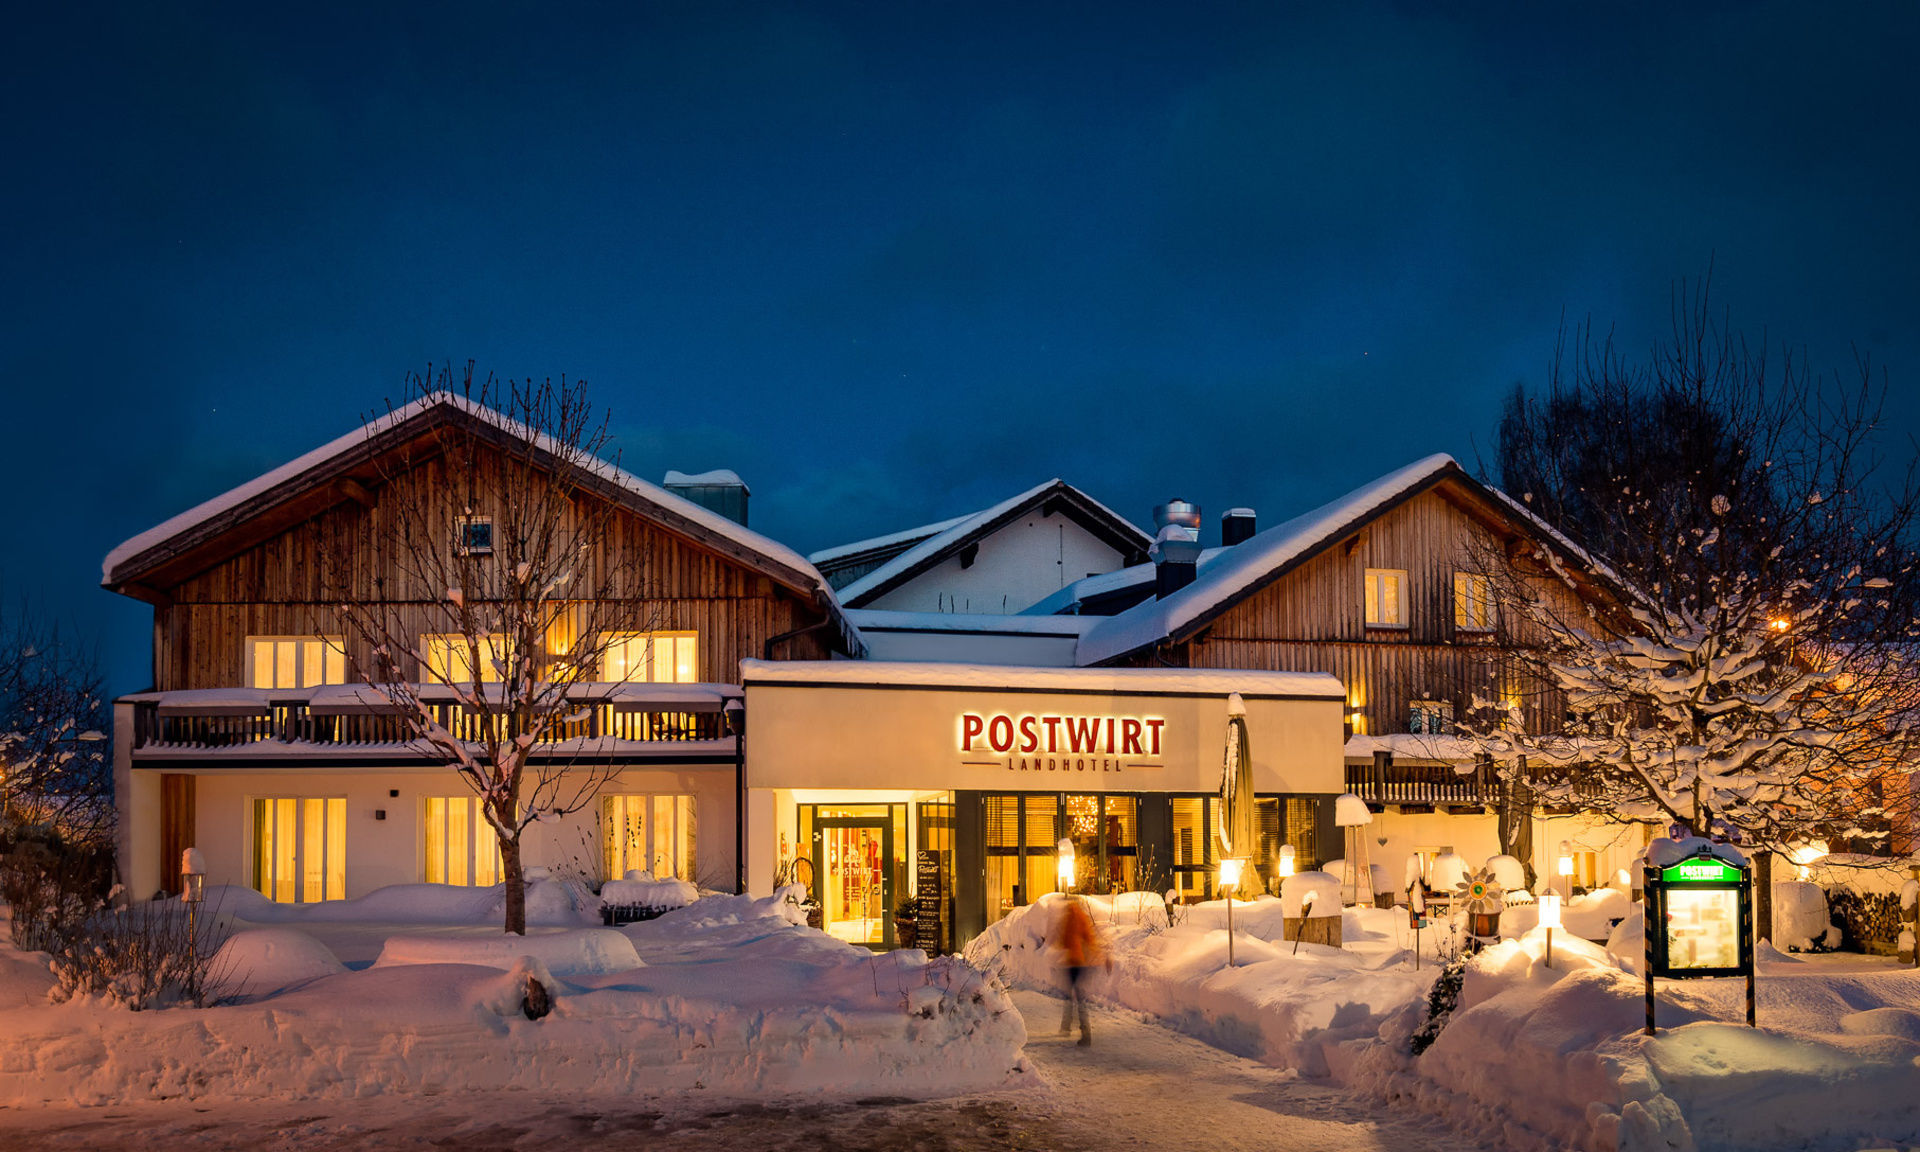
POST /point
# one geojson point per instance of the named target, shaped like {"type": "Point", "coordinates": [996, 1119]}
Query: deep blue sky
{"type": "Point", "coordinates": [894, 262]}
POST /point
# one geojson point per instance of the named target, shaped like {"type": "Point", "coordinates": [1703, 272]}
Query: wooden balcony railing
{"type": "Point", "coordinates": [1392, 782]}
{"type": "Point", "coordinates": [292, 722]}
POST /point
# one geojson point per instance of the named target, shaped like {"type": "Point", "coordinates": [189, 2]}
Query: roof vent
{"type": "Point", "coordinates": [1236, 526]}
{"type": "Point", "coordinates": [1176, 511]}
{"type": "Point", "coordinates": [1176, 558]}
{"type": "Point", "coordinates": [720, 490]}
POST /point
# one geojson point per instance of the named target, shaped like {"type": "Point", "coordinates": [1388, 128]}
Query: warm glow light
{"type": "Point", "coordinates": [1565, 863]}
{"type": "Point", "coordinates": [1806, 854]}
{"type": "Point", "coordinates": [1230, 873]}
{"type": "Point", "coordinates": [1550, 909]}
{"type": "Point", "coordinates": [1284, 868]}
{"type": "Point", "coordinates": [1066, 865]}
{"type": "Point", "coordinates": [1778, 624]}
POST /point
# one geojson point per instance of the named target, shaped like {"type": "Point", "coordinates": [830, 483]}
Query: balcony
{"type": "Point", "coordinates": [1419, 769]}
{"type": "Point", "coordinates": [356, 721]}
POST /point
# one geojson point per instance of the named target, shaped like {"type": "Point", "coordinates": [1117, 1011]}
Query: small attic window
{"type": "Point", "coordinates": [473, 536]}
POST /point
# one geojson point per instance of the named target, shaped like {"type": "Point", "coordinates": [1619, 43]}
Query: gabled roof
{"type": "Point", "coordinates": [1053, 496]}
{"type": "Point", "coordinates": [1244, 569]}
{"type": "Point", "coordinates": [876, 549]}
{"type": "Point", "coordinates": [1097, 595]}
{"type": "Point", "coordinates": [208, 532]}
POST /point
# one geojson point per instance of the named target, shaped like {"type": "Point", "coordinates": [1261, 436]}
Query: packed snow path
{"type": "Point", "coordinates": [1138, 1086]}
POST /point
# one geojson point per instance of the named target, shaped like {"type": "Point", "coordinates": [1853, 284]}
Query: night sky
{"type": "Point", "coordinates": [893, 262]}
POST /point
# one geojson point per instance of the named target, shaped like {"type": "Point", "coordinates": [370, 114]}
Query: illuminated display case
{"type": "Point", "coordinates": [1700, 918]}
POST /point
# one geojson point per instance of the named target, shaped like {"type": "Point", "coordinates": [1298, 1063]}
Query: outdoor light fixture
{"type": "Point", "coordinates": [1550, 918]}
{"type": "Point", "coordinates": [1565, 866]}
{"type": "Point", "coordinates": [1066, 864]}
{"type": "Point", "coordinates": [193, 890]}
{"type": "Point", "coordinates": [1230, 880]}
{"type": "Point", "coordinates": [1283, 868]}
{"type": "Point", "coordinates": [1804, 855]}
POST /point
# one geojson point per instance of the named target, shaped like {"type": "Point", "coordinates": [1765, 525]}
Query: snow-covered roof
{"type": "Point", "coordinates": [1665, 853]}
{"type": "Point", "coordinates": [1132, 681]}
{"type": "Point", "coordinates": [297, 475]}
{"type": "Point", "coordinates": [1244, 566]}
{"type": "Point", "coordinates": [885, 620]}
{"type": "Point", "coordinates": [967, 529]}
{"type": "Point", "coordinates": [711, 477]}
{"type": "Point", "coordinates": [1413, 746]}
{"type": "Point", "coordinates": [1089, 587]}
{"type": "Point", "coordinates": [906, 536]}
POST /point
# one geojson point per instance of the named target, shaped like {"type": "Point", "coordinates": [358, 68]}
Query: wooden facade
{"type": "Point", "coordinates": [289, 583]}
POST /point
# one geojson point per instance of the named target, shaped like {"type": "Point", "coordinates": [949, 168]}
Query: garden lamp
{"type": "Point", "coordinates": [1065, 863]}
{"type": "Point", "coordinates": [1550, 918]}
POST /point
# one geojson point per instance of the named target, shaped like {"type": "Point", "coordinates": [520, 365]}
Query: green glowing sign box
{"type": "Point", "coordinates": [1699, 918]}
{"type": "Point", "coordinates": [1702, 871]}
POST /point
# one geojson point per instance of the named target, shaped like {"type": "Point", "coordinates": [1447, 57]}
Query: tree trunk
{"type": "Point", "coordinates": [516, 882]}
{"type": "Point", "coordinates": [1763, 895]}
{"type": "Point", "coordinates": [1515, 821]}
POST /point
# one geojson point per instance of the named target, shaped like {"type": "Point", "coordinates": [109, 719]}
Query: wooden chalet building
{"type": "Point", "coordinates": [252, 746]}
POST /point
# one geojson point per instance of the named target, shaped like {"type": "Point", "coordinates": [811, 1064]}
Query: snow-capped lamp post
{"type": "Point", "coordinates": [1564, 866]}
{"type": "Point", "coordinates": [1283, 865]}
{"type": "Point", "coordinates": [1230, 869]}
{"type": "Point", "coordinates": [1550, 918]}
{"type": "Point", "coordinates": [193, 891]}
{"type": "Point", "coordinates": [1065, 864]}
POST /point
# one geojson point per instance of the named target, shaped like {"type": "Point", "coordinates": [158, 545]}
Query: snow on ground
{"type": "Point", "coordinates": [726, 996]}
{"type": "Point", "coordinates": [1536, 1057]}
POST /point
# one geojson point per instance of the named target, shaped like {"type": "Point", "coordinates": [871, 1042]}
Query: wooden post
{"type": "Point", "coordinates": [1762, 898]}
{"type": "Point", "coordinates": [1647, 931]}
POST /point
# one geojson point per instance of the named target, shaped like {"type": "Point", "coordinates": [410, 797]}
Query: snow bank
{"type": "Point", "coordinates": [1536, 1055]}
{"type": "Point", "coordinates": [1325, 887]}
{"type": "Point", "coordinates": [582, 952]}
{"type": "Point", "coordinates": [1800, 917]}
{"type": "Point", "coordinates": [729, 1001]}
{"type": "Point", "coordinates": [266, 960]}
{"type": "Point", "coordinates": [550, 904]}
{"type": "Point", "coordinates": [642, 889]}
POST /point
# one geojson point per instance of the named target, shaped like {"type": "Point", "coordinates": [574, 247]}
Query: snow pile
{"type": "Point", "coordinates": [1536, 1055]}
{"type": "Point", "coordinates": [1275, 1003]}
{"type": "Point", "coordinates": [266, 960]}
{"type": "Point", "coordinates": [549, 905]}
{"type": "Point", "coordinates": [1325, 887]}
{"type": "Point", "coordinates": [734, 1001]}
{"type": "Point", "coordinates": [1800, 922]}
{"type": "Point", "coordinates": [581, 952]}
{"type": "Point", "coordinates": [640, 888]}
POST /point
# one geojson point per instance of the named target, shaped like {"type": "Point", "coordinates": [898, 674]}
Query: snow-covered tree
{"type": "Point", "coordinates": [55, 778]}
{"type": "Point", "coordinates": [484, 585]}
{"type": "Point", "coordinates": [1739, 658]}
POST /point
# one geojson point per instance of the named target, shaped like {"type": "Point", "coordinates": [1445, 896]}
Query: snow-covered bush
{"type": "Point", "coordinates": [52, 888]}
{"type": "Point", "coordinates": [1442, 999]}
{"type": "Point", "coordinates": [144, 955]}
{"type": "Point", "coordinates": [1800, 922]}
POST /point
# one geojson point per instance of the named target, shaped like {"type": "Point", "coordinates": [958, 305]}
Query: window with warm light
{"type": "Point", "coordinates": [295, 661]}
{"type": "Point", "coordinates": [648, 832]}
{"type": "Point", "coordinates": [300, 848]}
{"type": "Point", "coordinates": [448, 657]}
{"type": "Point", "coordinates": [653, 657]}
{"type": "Point", "coordinates": [461, 847]}
{"type": "Point", "coordinates": [1472, 602]}
{"type": "Point", "coordinates": [1386, 598]}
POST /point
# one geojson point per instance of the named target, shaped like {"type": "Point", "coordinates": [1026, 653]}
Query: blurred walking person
{"type": "Point", "coordinates": [1080, 950]}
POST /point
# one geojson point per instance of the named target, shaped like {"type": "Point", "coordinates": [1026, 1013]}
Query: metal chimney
{"type": "Point", "coordinates": [1236, 525]}
{"type": "Point", "coordinates": [1176, 511]}
{"type": "Point", "coordinates": [1176, 550]}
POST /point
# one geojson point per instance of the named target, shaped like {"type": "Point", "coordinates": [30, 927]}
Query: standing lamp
{"type": "Point", "coordinates": [1565, 867]}
{"type": "Point", "coordinates": [193, 891]}
{"type": "Point", "coordinates": [1550, 918]}
{"type": "Point", "coordinates": [1283, 866]}
{"type": "Point", "coordinates": [1065, 864]}
{"type": "Point", "coordinates": [1229, 883]}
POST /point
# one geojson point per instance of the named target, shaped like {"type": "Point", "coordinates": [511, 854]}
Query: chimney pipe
{"type": "Point", "coordinates": [1176, 548]}
{"type": "Point", "coordinates": [1236, 526]}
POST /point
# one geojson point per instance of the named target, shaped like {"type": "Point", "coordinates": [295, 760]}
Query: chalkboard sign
{"type": "Point", "coordinates": [930, 887]}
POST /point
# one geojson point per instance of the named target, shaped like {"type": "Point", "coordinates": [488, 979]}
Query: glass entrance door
{"type": "Point", "coordinates": [854, 876]}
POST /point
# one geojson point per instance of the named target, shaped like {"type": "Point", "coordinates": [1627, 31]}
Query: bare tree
{"type": "Point", "coordinates": [484, 588]}
{"type": "Point", "coordinates": [55, 778]}
{"type": "Point", "coordinates": [1740, 660]}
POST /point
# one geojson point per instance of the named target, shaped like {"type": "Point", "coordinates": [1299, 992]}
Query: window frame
{"type": "Point", "coordinates": [482, 845]}
{"type": "Point", "coordinates": [263, 873]}
{"type": "Point", "coordinates": [686, 815]}
{"type": "Point", "coordinates": [332, 658]}
{"type": "Point", "coordinates": [1371, 599]}
{"type": "Point", "coordinates": [620, 640]}
{"type": "Point", "coordinates": [1486, 626]}
{"type": "Point", "coordinates": [463, 544]}
{"type": "Point", "coordinates": [495, 649]}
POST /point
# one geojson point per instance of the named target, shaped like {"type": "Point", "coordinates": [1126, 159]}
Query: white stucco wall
{"type": "Point", "coordinates": [391, 850]}
{"type": "Point", "coordinates": [1026, 560]}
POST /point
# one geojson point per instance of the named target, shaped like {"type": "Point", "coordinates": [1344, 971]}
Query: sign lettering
{"type": "Point", "coordinates": [1038, 742]}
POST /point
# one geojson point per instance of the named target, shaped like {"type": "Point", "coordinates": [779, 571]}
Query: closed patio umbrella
{"type": "Point", "coordinates": [1235, 824]}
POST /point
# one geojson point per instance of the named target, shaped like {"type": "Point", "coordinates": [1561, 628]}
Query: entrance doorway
{"type": "Point", "coordinates": [854, 878]}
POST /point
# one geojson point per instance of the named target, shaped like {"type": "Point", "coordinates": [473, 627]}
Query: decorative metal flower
{"type": "Point", "coordinates": [1481, 894]}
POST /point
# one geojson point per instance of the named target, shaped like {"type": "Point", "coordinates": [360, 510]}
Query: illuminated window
{"type": "Point", "coordinates": [461, 846]}
{"type": "Point", "coordinates": [473, 536]}
{"type": "Point", "coordinates": [295, 661]}
{"type": "Point", "coordinates": [648, 833]}
{"type": "Point", "coordinates": [1386, 598]}
{"type": "Point", "coordinates": [300, 848]}
{"type": "Point", "coordinates": [448, 657]}
{"type": "Point", "coordinates": [653, 657]}
{"type": "Point", "coordinates": [1472, 602]}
